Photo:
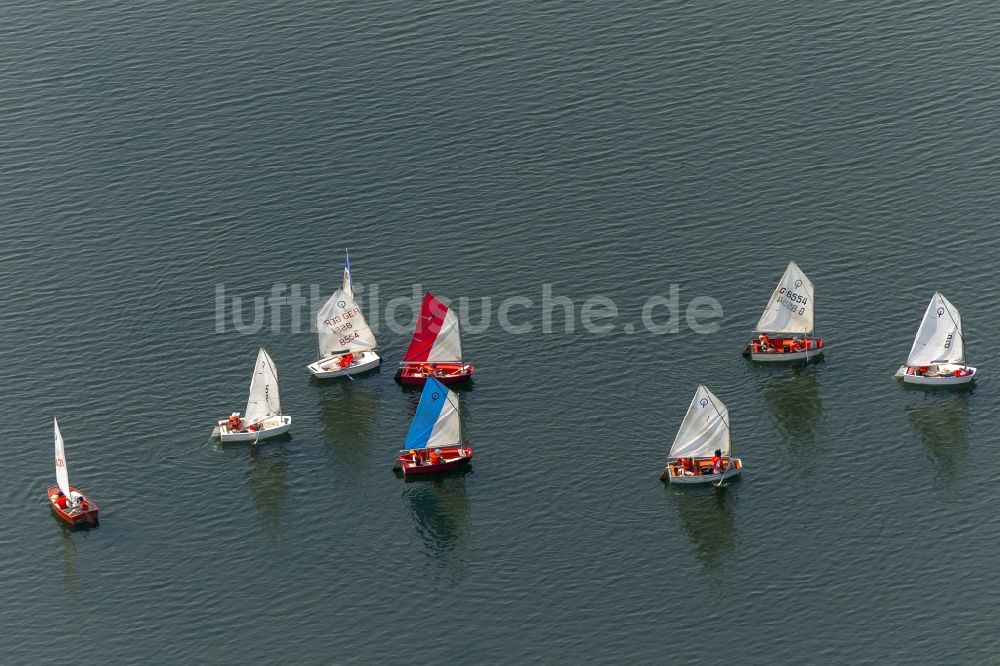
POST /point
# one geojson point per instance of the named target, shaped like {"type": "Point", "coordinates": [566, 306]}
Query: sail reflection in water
{"type": "Point", "coordinates": [69, 559]}
{"type": "Point", "coordinates": [347, 412]}
{"type": "Point", "coordinates": [708, 521]}
{"type": "Point", "coordinates": [943, 429]}
{"type": "Point", "coordinates": [795, 407]}
{"type": "Point", "coordinates": [268, 482]}
{"type": "Point", "coordinates": [440, 510]}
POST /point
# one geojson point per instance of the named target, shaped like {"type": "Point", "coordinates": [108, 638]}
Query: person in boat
{"type": "Point", "coordinates": [61, 500]}
{"type": "Point", "coordinates": [764, 343]}
{"type": "Point", "coordinates": [717, 462]}
{"type": "Point", "coordinates": [435, 456]}
{"type": "Point", "coordinates": [414, 458]}
{"type": "Point", "coordinates": [234, 423]}
{"type": "Point", "coordinates": [346, 360]}
{"type": "Point", "coordinates": [684, 467]}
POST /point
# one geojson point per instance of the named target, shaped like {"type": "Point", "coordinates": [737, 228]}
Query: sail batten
{"type": "Point", "coordinates": [705, 427]}
{"type": "Point", "coordinates": [437, 422]}
{"type": "Point", "coordinates": [939, 338]}
{"type": "Point", "coordinates": [791, 308]}
{"type": "Point", "coordinates": [62, 472]}
{"type": "Point", "coordinates": [437, 337]}
{"type": "Point", "coordinates": [264, 400]}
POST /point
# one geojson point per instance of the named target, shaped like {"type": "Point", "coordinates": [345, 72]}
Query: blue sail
{"type": "Point", "coordinates": [432, 403]}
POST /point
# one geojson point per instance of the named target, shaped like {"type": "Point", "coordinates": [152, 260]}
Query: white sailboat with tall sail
{"type": "Point", "coordinates": [68, 503]}
{"type": "Point", "coordinates": [937, 357]}
{"type": "Point", "coordinates": [702, 450]}
{"type": "Point", "coordinates": [347, 344]}
{"type": "Point", "coordinates": [262, 417]}
{"type": "Point", "coordinates": [785, 329]}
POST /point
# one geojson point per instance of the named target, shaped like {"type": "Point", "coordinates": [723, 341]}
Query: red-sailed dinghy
{"type": "Point", "coordinates": [434, 441]}
{"type": "Point", "coordinates": [436, 347]}
{"type": "Point", "coordinates": [68, 503]}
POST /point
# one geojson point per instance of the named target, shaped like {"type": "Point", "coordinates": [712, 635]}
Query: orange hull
{"type": "Point", "coordinates": [83, 514]}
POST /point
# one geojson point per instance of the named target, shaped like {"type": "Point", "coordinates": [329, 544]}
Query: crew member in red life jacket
{"type": "Point", "coordinates": [435, 456]}
{"type": "Point", "coordinates": [717, 462]}
{"type": "Point", "coordinates": [414, 458]}
{"type": "Point", "coordinates": [61, 500]}
{"type": "Point", "coordinates": [765, 344]}
{"type": "Point", "coordinates": [234, 423]}
{"type": "Point", "coordinates": [346, 360]}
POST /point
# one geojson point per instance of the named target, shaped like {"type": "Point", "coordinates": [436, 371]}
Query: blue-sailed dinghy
{"type": "Point", "coordinates": [434, 442]}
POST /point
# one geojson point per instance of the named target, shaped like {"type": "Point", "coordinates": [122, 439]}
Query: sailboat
{"type": "Point", "coordinates": [436, 347]}
{"type": "Point", "coordinates": [704, 430]}
{"type": "Point", "coordinates": [347, 344]}
{"type": "Point", "coordinates": [937, 357]}
{"type": "Point", "coordinates": [263, 417]}
{"type": "Point", "coordinates": [785, 330]}
{"type": "Point", "coordinates": [434, 441]}
{"type": "Point", "coordinates": [68, 503]}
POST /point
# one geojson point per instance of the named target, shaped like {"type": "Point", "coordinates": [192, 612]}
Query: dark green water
{"type": "Point", "coordinates": [152, 152]}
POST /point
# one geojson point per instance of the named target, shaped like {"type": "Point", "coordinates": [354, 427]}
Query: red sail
{"type": "Point", "coordinates": [429, 322]}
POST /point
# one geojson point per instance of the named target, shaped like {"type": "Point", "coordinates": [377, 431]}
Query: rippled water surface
{"type": "Point", "coordinates": [155, 153]}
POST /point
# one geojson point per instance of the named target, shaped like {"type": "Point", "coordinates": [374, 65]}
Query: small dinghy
{"type": "Point", "coordinates": [701, 452]}
{"type": "Point", "coordinates": [937, 357]}
{"type": "Point", "coordinates": [263, 417]}
{"type": "Point", "coordinates": [436, 347]}
{"type": "Point", "coordinates": [68, 503]}
{"type": "Point", "coordinates": [434, 441]}
{"type": "Point", "coordinates": [785, 330]}
{"type": "Point", "coordinates": [347, 344]}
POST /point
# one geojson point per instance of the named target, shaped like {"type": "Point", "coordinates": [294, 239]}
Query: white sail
{"type": "Point", "coordinates": [448, 343]}
{"type": "Point", "coordinates": [341, 326]}
{"type": "Point", "coordinates": [939, 338]}
{"type": "Point", "coordinates": [62, 473]}
{"type": "Point", "coordinates": [790, 310]}
{"type": "Point", "coordinates": [447, 429]}
{"type": "Point", "coordinates": [705, 427]}
{"type": "Point", "coordinates": [348, 285]}
{"type": "Point", "coordinates": [264, 400]}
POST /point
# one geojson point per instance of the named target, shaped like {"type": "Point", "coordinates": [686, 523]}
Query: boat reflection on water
{"type": "Point", "coordinates": [267, 479]}
{"type": "Point", "coordinates": [440, 509]}
{"type": "Point", "coordinates": [347, 412]}
{"type": "Point", "coordinates": [796, 409]}
{"type": "Point", "coordinates": [707, 519]}
{"type": "Point", "coordinates": [943, 429]}
{"type": "Point", "coordinates": [69, 558]}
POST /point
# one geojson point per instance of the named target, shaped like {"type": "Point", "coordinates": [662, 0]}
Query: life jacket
{"type": "Point", "coordinates": [717, 463]}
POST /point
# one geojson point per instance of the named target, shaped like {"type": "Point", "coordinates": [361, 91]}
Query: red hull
{"type": "Point", "coordinates": [785, 345]}
{"type": "Point", "coordinates": [74, 516]}
{"type": "Point", "coordinates": [415, 374]}
{"type": "Point", "coordinates": [450, 462]}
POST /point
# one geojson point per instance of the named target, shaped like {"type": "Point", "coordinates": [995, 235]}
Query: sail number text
{"type": "Point", "coordinates": [790, 300]}
{"type": "Point", "coordinates": [340, 323]}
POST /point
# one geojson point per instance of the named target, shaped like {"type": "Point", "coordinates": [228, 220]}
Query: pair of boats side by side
{"type": "Point", "coordinates": [702, 451]}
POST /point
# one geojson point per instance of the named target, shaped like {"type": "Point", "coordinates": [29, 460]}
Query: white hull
{"type": "Point", "coordinates": [329, 368]}
{"type": "Point", "coordinates": [945, 380]}
{"type": "Point", "coordinates": [272, 427]}
{"type": "Point", "coordinates": [705, 478]}
{"type": "Point", "coordinates": [770, 357]}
